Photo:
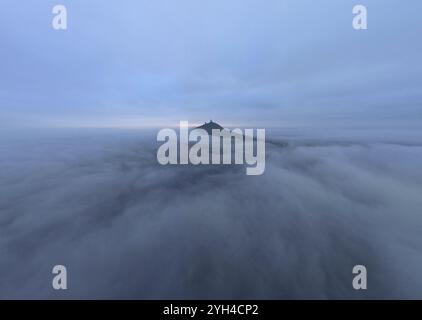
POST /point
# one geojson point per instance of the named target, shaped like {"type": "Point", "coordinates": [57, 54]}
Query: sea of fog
{"type": "Point", "coordinates": [124, 226]}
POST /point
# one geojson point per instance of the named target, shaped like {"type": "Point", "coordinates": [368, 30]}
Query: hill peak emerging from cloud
{"type": "Point", "coordinates": [209, 126]}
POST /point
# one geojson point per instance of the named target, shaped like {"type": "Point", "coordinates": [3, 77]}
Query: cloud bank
{"type": "Point", "coordinates": [126, 227]}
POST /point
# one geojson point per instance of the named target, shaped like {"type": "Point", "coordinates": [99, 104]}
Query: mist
{"type": "Point", "coordinates": [98, 202]}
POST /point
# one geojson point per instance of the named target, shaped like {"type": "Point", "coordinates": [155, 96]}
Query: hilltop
{"type": "Point", "coordinates": [209, 126]}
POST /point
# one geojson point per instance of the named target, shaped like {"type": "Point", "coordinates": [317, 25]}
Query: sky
{"type": "Point", "coordinates": [240, 62]}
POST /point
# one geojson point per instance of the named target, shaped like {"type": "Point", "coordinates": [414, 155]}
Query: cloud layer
{"type": "Point", "coordinates": [126, 227]}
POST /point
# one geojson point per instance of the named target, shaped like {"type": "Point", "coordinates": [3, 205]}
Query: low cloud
{"type": "Point", "coordinates": [126, 227]}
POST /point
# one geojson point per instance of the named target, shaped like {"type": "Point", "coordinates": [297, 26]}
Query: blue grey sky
{"type": "Point", "coordinates": [240, 62]}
